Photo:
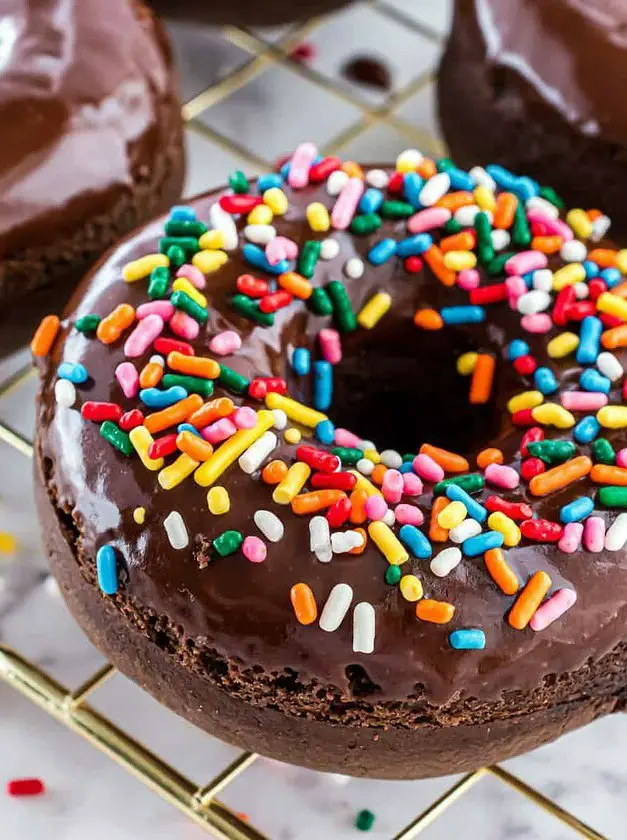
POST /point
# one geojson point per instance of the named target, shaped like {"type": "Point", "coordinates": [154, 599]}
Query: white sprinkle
{"type": "Point", "coordinates": [409, 159]}
{"type": "Point", "coordinates": [616, 535]}
{"type": "Point", "coordinates": [543, 280]}
{"type": "Point", "coordinates": [532, 302]}
{"type": "Point", "coordinates": [329, 249]}
{"type": "Point", "coordinates": [391, 459]}
{"type": "Point", "coordinates": [338, 779]}
{"type": "Point", "coordinates": [221, 220]}
{"type": "Point", "coordinates": [600, 228]}
{"type": "Point", "coordinates": [64, 393]}
{"type": "Point", "coordinates": [482, 178]}
{"type": "Point", "coordinates": [344, 541]}
{"type": "Point", "coordinates": [260, 234]}
{"type": "Point", "coordinates": [255, 455]}
{"type": "Point", "coordinates": [466, 215]}
{"type": "Point", "coordinates": [280, 419]}
{"type": "Point", "coordinates": [434, 189]}
{"type": "Point", "coordinates": [51, 587]}
{"type": "Point", "coordinates": [336, 607]}
{"type": "Point", "coordinates": [269, 524]}
{"type": "Point", "coordinates": [320, 537]}
{"type": "Point", "coordinates": [390, 518]}
{"type": "Point", "coordinates": [500, 239]}
{"type": "Point", "coordinates": [365, 445]}
{"type": "Point", "coordinates": [176, 530]}
{"type": "Point", "coordinates": [157, 360]}
{"type": "Point", "coordinates": [581, 290]}
{"type": "Point", "coordinates": [377, 178]}
{"type": "Point", "coordinates": [354, 268]}
{"type": "Point", "coordinates": [609, 366]}
{"type": "Point", "coordinates": [336, 182]}
{"type": "Point", "coordinates": [363, 628]}
{"type": "Point", "coordinates": [536, 202]}
{"type": "Point", "coordinates": [573, 251]}
{"type": "Point", "coordinates": [446, 561]}
{"type": "Point", "coordinates": [467, 528]}
{"type": "Point", "coordinates": [365, 466]}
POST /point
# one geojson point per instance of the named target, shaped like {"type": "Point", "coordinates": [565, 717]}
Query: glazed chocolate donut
{"type": "Point", "coordinates": [226, 532]}
{"type": "Point", "coordinates": [537, 87]}
{"type": "Point", "coordinates": [91, 143]}
{"type": "Point", "coordinates": [245, 12]}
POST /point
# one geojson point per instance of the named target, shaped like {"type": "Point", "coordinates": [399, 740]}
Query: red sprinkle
{"type": "Point", "coordinates": [533, 435]}
{"type": "Point", "coordinates": [625, 390]}
{"type": "Point", "coordinates": [302, 53]}
{"type": "Point", "coordinates": [276, 385]}
{"type": "Point", "coordinates": [596, 288]}
{"type": "Point", "coordinates": [252, 286]}
{"type": "Point", "coordinates": [258, 388]}
{"type": "Point", "coordinates": [413, 264]}
{"type": "Point", "coordinates": [541, 530]}
{"type": "Point", "coordinates": [531, 467]}
{"type": "Point", "coordinates": [163, 446]}
{"type": "Point", "coordinates": [318, 459]}
{"type": "Point", "coordinates": [275, 301]}
{"type": "Point", "coordinates": [489, 294]}
{"type": "Point", "coordinates": [515, 510]}
{"type": "Point", "coordinates": [396, 184]}
{"type": "Point", "coordinates": [320, 171]}
{"type": "Point", "coordinates": [523, 417]}
{"type": "Point", "coordinates": [240, 203]}
{"type": "Point", "coordinates": [564, 300]}
{"type": "Point", "coordinates": [101, 411]}
{"type": "Point", "coordinates": [580, 310]}
{"type": "Point", "coordinates": [168, 345]}
{"type": "Point", "coordinates": [334, 481]}
{"type": "Point", "coordinates": [609, 320]}
{"type": "Point", "coordinates": [525, 365]}
{"type": "Point", "coordinates": [131, 419]}
{"type": "Point", "coordinates": [25, 787]}
{"type": "Point", "coordinates": [339, 512]}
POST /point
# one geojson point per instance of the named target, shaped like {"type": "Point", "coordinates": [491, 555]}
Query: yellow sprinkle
{"type": "Point", "coordinates": [568, 276]}
{"type": "Point", "coordinates": [260, 215]}
{"type": "Point", "coordinates": [138, 269]}
{"type": "Point", "coordinates": [460, 260]}
{"type": "Point", "coordinates": [182, 284]}
{"type": "Point", "coordinates": [139, 515]}
{"type": "Point", "coordinates": [551, 414]}
{"type": "Point", "coordinates": [411, 588]}
{"type": "Point", "coordinates": [562, 345]}
{"type": "Point", "coordinates": [212, 240]}
{"type": "Point", "coordinates": [177, 472]}
{"type": "Point", "coordinates": [374, 310]}
{"type": "Point", "coordinates": [209, 261]}
{"type": "Point", "coordinates": [231, 449]}
{"type": "Point", "coordinates": [218, 500]}
{"type": "Point", "coordinates": [276, 200]}
{"type": "Point", "coordinates": [452, 515]}
{"type": "Point", "coordinates": [612, 416]}
{"type": "Point", "coordinates": [485, 198]}
{"type": "Point", "coordinates": [408, 161]}
{"type": "Point", "coordinates": [318, 217]}
{"type": "Point", "coordinates": [372, 455]}
{"type": "Point", "coordinates": [8, 543]}
{"type": "Point", "coordinates": [580, 222]}
{"type": "Point", "coordinates": [141, 439]}
{"type": "Point", "coordinates": [498, 521]}
{"type": "Point", "coordinates": [292, 435]}
{"type": "Point", "coordinates": [613, 305]}
{"type": "Point", "coordinates": [528, 399]}
{"type": "Point", "coordinates": [621, 261]}
{"type": "Point", "coordinates": [387, 543]}
{"type": "Point", "coordinates": [364, 484]}
{"type": "Point", "coordinates": [292, 484]}
{"type": "Point", "coordinates": [466, 363]}
{"type": "Point", "coordinates": [296, 411]}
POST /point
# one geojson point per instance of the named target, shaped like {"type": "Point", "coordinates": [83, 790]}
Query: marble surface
{"type": "Point", "coordinates": [88, 795]}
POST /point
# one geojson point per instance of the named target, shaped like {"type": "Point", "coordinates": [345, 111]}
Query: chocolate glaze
{"type": "Point", "coordinates": [80, 84]}
{"type": "Point", "coordinates": [242, 610]}
{"type": "Point", "coordinates": [569, 55]}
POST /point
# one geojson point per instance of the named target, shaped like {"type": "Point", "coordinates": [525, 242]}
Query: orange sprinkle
{"type": "Point", "coordinates": [196, 447]}
{"type": "Point", "coordinates": [482, 379]}
{"type": "Point", "coordinates": [437, 612]}
{"type": "Point", "coordinates": [560, 476]}
{"type": "Point", "coordinates": [193, 365]}
{"type": "Point", "coordinates": [435, 260]}
{"type": "Point", "coordinates": [620, 290]}
{"type": "Point", "coordinates": [453, 201]}
{"type": "Point", "coordinates": [213, 410]}
{"type": "Point", "coordinates": [505, 210]}
{"type": "Point", "coordinates": [296, 284]}
{"type": "Point", "coordinates": [436, 532]}
{"type": "Point", "coordinates": [603, 257]}
{"type": "Point", "coordinates": [428, 319]}
{"type": "Point", "coordinates": [173, 414]}
{"type": "Point", "coordinates": [489, 456]}
{"type": "Point", "coordinates": [594, 214]}
{"type": "Point", "coordinates": [427, 168]}
{"type": "Point", "coordinates": [449, 461]}
{"type": "Point", "coordinates": [316, 501]}
{"type": "Point", "coordinates": [547, 244]}
{"type": "Point", "coordinates": [304, 603]}
{"type": "Point", "coordinates": [605, 474]}
{"type": "Point", "coordinates": [112, 327]}
{"type": "Point", "coordinates": [358, 510]}
{"type": "Point", "coordinates": [274, 472]}
{"type": "Point", "coordinates": [150, 375]}
{"type": "Point", "coordinates": [500, 571]}
{"type": "Point", "coordinates": [529, 600]}
{"type": "Point", "coordinates": [464, 241]}
{"type": "Point", "coordinates": [614, 338]}
{"type": "Point", "coordinates": [377, 474]}
{"type": "Point", "coordinates": [352, 169]}
{"type": "Point", "coordinates": [360, 548]}
{"type": "Point", "coordinates": [45, 335]}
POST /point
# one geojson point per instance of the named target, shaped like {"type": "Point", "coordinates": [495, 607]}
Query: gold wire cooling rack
{"type": "Point", "coordinates": [69, 706]}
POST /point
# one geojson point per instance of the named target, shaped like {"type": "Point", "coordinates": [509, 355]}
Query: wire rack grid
{"type": "Point", "coordinates": [200, 802]}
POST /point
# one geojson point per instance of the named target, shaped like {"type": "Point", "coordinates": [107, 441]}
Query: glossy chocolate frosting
{"type": "Point", "coordinates": [242, 610]}
{"type": "Point", "coordinates": [80, 82]}
{"type": "Point", "coordinates": [570, 55]}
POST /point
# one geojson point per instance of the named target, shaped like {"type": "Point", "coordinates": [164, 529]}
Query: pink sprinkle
{"type": "Point", "coordinates": [555, 607]}
{"type": "Point", "coordinates": [219, 431]}
{"type": "Point", "coordinates": [583, 400]}
{"type": "Point", "coordinates": [193, 274]}
{"type": "Point", "coordinates": [330, 345]}
{"type": "Point", "coordinates": [432, 217]}
{"type": "Point", "coordinates": [346, 204]}
{"type": "Point", "coordinates": [563, 230]}
{"type": "Point", "coordinates": [375, 507]}
{"type": "Point", "coordinates": [621, 458]}
{"type": "Point", "coordinates": [302, 159]}
{"type": "Point", "coordinates": [408, 515]}
{"type": "Point", "coordinates": [468, 279]}
{"type": "Point", "coordinates": [539, 323]}
{"type": "Point", "coordinates": [502, 476]}
{"type": "Point", "coordinates": [551, 226]}
{"type": "Point", "coordinates": [142, 336]}
{"type": "Point", "coordinates": [162, 308]}
{"type": "Point", "coordinates": [516, 287]}
{"type": "Point", "coordinates": [570, 540]}
{"type": "Point", "coordinates": [290, 247]}
{"type": "Point", "coordinates": [275, 250]}
{"type": "Point", "coordinates": [427, 468]}
{"type": "Point", "coordinates": [594, 534]}
{"type": "Point", "coordinates": [225, 343]}
{"type": "Point", "coordinates": [244, 417]}
{"type": "Point", "coordinates": [412, 485]}
{"type": "Point", "coordinates": [345, 438]}
{"type": "Point", "coordinates": [128, 379]}
{"type": "Point", "coordinates": [254, 549]}
{"type": "Point", "coordinates": [392, 486]}
{"type": "Point", "coordinates": [526, 261]}
{"type": "Point", "coordinates": [184, 325]}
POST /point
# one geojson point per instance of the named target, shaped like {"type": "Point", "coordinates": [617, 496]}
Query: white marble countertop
{"type": "Point", "coordinates": [91, 797]}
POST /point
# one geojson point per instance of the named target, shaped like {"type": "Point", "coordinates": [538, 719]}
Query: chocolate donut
{"type": "Point", "coordinates": [91, 144]}
{"type": "Point", "coordinates": [274, 577]}
{"type": "Point", "coordinates": [537, 87]}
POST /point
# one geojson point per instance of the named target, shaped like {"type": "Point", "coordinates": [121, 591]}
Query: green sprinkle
{"type": "Point", "coordinates": [496, 266]}
{"type": "Point", "coordinates": [342, 310]}
{"type": "Point", "coordinates": [396, 210]}
{"type": "Point", "coordinates": [309, 256]}
{"type": "Point", "coordinates": [111, 432]}
{"type": "Point", "coordinates": [549, 194]}
{"type": "Point", "coordinates": [483, 228]}
{"type": "Point", "coordinates": [347, 454]}
{"type": "Point", "coordinates": [613, 497]}
{"type": "Point", "coordinates": [159, 282]}
{"type": "Point", "coordinates": [177, 228]}
{"type": "Point", "coordinates": [603, 451]}
{"type": "Point", "coordinates": [319, 302]}
{"type": "Point", "coordinates": [552, 451]}
{"type": "Point", "coordinates": [189, 244]}
{"type": "Point", "coordinates": [88, 324]}
{"type": "Point", "coordinates": [452, 227]}
{"type": "Point", "coordinates": [192, 384]}
{"type": "Point", "coordinates": [368, 223]}
{"type": "Point", "coordinates": [238, 182]}
{"type": "Point", "coordinates": [393, 575]}
{"type": "Point", "coordinates": [444, 164]}
{"type": "Point", "coordinates": [176, 255]}
{"type": "Point", "coordinates": [364, 820]}
{"type": "Point", "coordinates": [228, 543]}
{"type": "Point", "coordinates": [521, 233]}
{"type": "Point", "coordinates": [408, 456]}
{"type": "Point", "coordinates": [250, 309]}
{"type": "Point", "coordinates": [471, 483]}
{"type": "Point", "coordinates": [233, 380]}
{"type": "Point", "coordinates": [182, 301]}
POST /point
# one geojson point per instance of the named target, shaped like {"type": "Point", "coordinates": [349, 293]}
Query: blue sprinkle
{"type": "Point", "coordinates": [155, 398]}
{"type": "Point", "coordinates": [589, 338]}
{"type": "Point", "coordinates": [591, 269]}
{"type": "Point", "coordinates": [406, 467]}
{"type": "Point", "coordinates": [475, 510]}
{"type": "Point", "coordinates": [545, 380]}
{"type": "Point", "coordinates": [612, 277]}
{"type": "Point", "coordinates": [576, 510]}
{"type": "Point", "coordinates": [453, 315]}
{"type": "Point", "coordinates": [371, 200]}
{"type": "Point", "coordinates": [586, 429]}
{"type": "Point", "coordinates": [256, 257]}
{"type": "Point", "coordinates": [301, 361]}
{"type": "Point", "coordinates": [74, 371]}
{"type": "Point", "coordinates": [325, 432]}
{"type": "Point", "coordinates": [460, 180]}
{"type": "Point", "coordinates": [285, 170]}
{"type": "Point", "coordinates": [106, 568]}
{"type": "Point", "coordinates": [412, 185]}
{"type": "Point", "coordinates": [592, 380]}
{"type": "Point", "coordinates": [187, 427]}
{"type": "Point", "coordinates": [467, 639]}
{"type": "Point", "coordinates": [526, 188]}
{"type": "Point", "coordinates": [516, 349]}
{"type": "Point", "coordinates": [269, 181]}
{"type": "Point", "coordinates": [474, 546]}
{"type": "Point", "coordinates": [528, 278]}
{"type": "Point", "coordinates": [322, 385]}
{"type": "Point", "coordinates": [505, 179]}
{"type": "Point", "coordinates": [317, 159]}
{"type": "Point", "coordinates": [382, 251]}
{"type": "Point", "coordinates": [181, 213]}
{"type": "Point", "coordinates": [414, 540]}
{"type": "Point", "coordinates": [414, 245]}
